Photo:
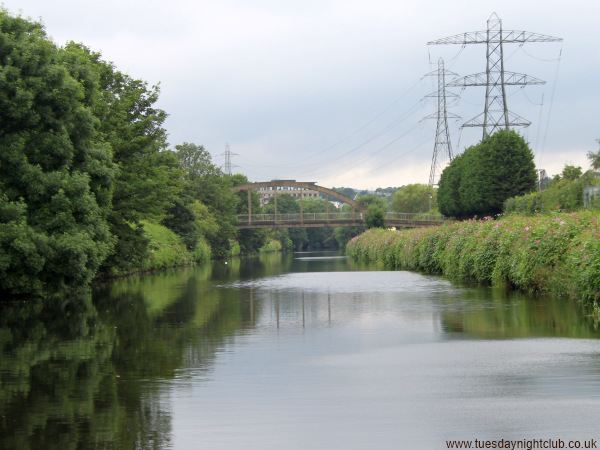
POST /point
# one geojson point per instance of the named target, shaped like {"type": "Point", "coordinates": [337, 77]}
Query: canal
{"type": "Point", "coordinates": [302, 351]}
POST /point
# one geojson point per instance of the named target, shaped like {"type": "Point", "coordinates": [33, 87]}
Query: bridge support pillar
{"type": "Point", "coordinates": [249, 206]}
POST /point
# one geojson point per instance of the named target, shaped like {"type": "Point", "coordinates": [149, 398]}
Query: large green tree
{"type": "Point", "coordinates": [56, 173]}
{"type": "Point", "coordinates": [148, 180]}
{"type": "Point", "coordinates": [486, 175]}
{"type": "Point", "coordinates": [206, 182]}
{"type": "Point", "coordinates": [414, 198]}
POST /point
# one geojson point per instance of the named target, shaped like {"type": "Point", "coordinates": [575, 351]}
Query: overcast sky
{"type": "Point", "coordinates": [330, 90]}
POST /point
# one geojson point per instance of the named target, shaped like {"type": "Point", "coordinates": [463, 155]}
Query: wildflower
{"type": "Point", "coordinates": [527, 228]}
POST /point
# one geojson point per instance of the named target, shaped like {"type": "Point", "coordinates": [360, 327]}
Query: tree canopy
{"type": "Point", "coordinates": [478, 182]}
{"type": "Point", "coordinates": [56, 168]}
{"type": "Point", "coordinates": [414, 198]}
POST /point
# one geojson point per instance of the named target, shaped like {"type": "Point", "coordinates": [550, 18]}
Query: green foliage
{"type": "Point", "coordinates": [562, 194]}
{"type": "Point", "coordinates": [557, 254]}
{"type": "Point", "coordinates": [206, 224]}
{"type": "Point", "coordinates": [251, 241]}
{"type": "Point", "coordinates": [449, 185]}
{"type": "Point", "coordinates": [478, 182]}
{"type": "Point", "coordinates": [571, 172]}
{"type": "Point", "coordinates": [594, 158]}
{"type": "Point", "coordinates": [414, 198]}
{"type": "Point", "coordinates": [271, 246]}
{"type": "Point", "coordinates": [374, 208]}
{"type": "Point", "coordinates": [56, 173]}
{"type": "Point", "coordinates": [374, 216]}
{"type": "Point", "coordinates": [344, 234]}
{"type": "Point", "coordinates": [206, 183]}
{"type": "Point", "coordinates": [165, 248]}
{"type": "Point", "coordinates": [202, 252]}
{"type": "Point", "coordinates": [148, 178]}
{"type": "Point", "coordinates": [180, 218]}
{"type": "Point", "coordinates": [234, 248]}
{"type": "Point", "coordinates": [364, 201]}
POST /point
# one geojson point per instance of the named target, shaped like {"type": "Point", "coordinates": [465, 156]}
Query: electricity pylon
{"type": "Point", "coordinates": [228, 154]}
{"type": "Point", "coordinates": [495, 78]}
{"type": "Point", "coordinates": [442, 149]}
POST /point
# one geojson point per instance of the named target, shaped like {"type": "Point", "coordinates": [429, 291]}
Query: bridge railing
{"type": "Point", "coordinates": [335, 216]}
{"type": "Point", "coordinates": [297, 217]}
{"type": "Point", "coordinates": [414, 217]}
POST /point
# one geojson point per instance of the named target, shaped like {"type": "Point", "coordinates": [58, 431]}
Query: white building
{"type": "Point", "coordinates": [267, 193]}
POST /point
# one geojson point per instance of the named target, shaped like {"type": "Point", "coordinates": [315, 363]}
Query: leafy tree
{"type": "Point", "coordinates": [323, 237]}
{"type": "Point", "coordinates": [448, 192]}
{"type": "Point", "coordinates": [571, 172]}
{"type": "Point", "coordinates": [366, 200]}
{"type": "Point", "coordinates": [206, 223]}
{"type": "Point", "coordinates": [478, 183]}
{"type": "Point", "coordinates": [181, 219]}
{"type": "Point", "coordinates": [148, 178]}
{"type": "Point", "coordinates": [348, 192]}
{"type": "Point", "coordinates": [207, 183]}
{"type": "Point", "coordinates": [414, 198]}
{"type": "Point", "coordinates": [374, 217]}
{"type": "Point", "coordinates": [250, 240]}
{"type": "Point", "coordinates": [594, 158]}
{"type": "Point", "coordinates": [56, 173]}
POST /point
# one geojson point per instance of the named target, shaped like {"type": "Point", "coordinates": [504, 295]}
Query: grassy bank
{"type": "Point", "coordinates": [166, 249]}
{"type": "Point", "coordinates": [557, 254]}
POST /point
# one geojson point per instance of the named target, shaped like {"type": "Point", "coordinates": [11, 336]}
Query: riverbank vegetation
{"type": "Point", "coordinates": [564, 192]}
{"type": "Point", "coordinates": [89, 185]}
{"type": "Point", "coordinates": [556, 254]}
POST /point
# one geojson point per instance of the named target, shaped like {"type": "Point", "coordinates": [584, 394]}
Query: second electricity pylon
{"type": "Point", "coordinates": [495, 79]}
{"type": "Point", "coordinates": [442, 149]}
{"type": "Point", "coordinates": [228, 154]}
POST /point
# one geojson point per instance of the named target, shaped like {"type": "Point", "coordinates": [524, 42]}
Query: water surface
{"type": "Point", "coordinates": [294, 352]}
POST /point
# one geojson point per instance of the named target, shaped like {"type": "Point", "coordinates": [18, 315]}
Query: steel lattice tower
{"type": "Point", "coordinates": [495, 78]}
{"type": "Point", "coordinates": [228, 154]}
{"type": "Point", "coordinates": [442, 149]}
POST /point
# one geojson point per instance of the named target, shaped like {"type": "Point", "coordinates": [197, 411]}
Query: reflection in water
{"type": "Point", "coordinates": [291, 351]}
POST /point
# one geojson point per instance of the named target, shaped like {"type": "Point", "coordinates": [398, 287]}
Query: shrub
{"type": "Point", "coordinates": [272, 245]}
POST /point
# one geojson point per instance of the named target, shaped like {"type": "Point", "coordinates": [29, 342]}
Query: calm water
{"type": "Point", "coordinates": [294, 352]}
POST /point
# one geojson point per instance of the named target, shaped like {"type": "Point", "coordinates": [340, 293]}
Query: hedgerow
{"type": "Point", "coordinates": [553, 254]}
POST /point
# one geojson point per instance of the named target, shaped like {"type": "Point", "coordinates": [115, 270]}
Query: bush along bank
{"type": "Point", "coordinates": [165, 250]}
{"type": "Point", "coordinates": [552, 254]}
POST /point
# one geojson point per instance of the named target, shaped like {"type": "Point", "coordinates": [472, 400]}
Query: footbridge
{"type": "Point", "coordinates": [306, 189]}
{"type": "Point", "coordinates": [334, 219]}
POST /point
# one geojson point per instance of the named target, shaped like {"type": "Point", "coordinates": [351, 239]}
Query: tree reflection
{"type": "Point", "coordinates": [496, 313]}
{"type": "Point", "coordinates": [81, 374]}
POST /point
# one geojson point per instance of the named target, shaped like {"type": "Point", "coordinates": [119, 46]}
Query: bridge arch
{"type": "Point", "coordinates": [297, 184]}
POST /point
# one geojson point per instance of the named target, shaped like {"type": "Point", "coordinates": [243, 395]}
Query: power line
{"type": "Point", "coordinates": [549, 116]}
{"type": "Point", "coordinates": [351, 163]}
{"type": "Point", "coordinates": [495, 78]}
{"type": "Point", "coordinates": [365, 125]}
